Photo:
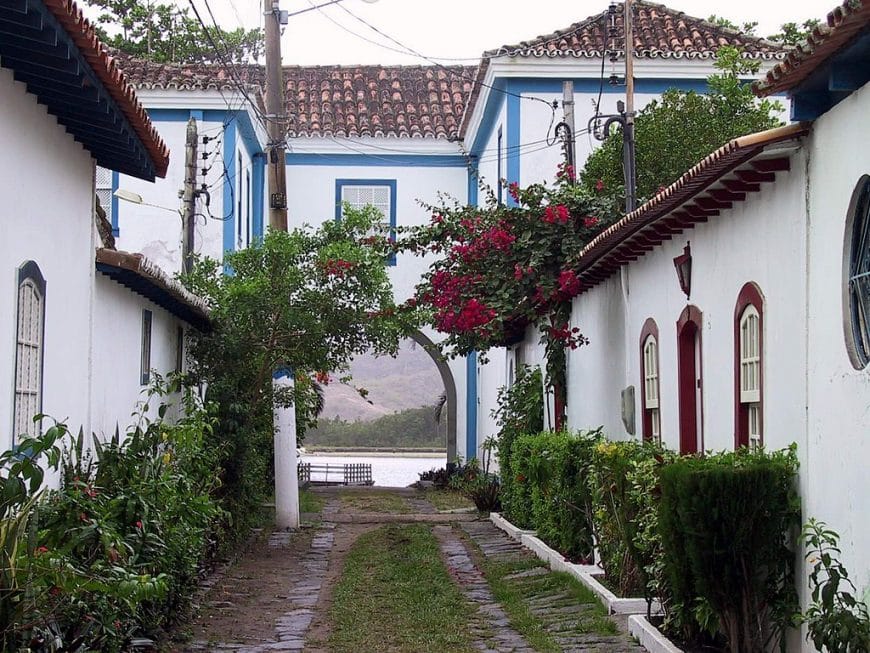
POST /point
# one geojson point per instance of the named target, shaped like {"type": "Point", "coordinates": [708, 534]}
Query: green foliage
{"type": "Point", "coordinates": [837, 621]}
{"type": "Point", "coordinates": [794, 34]}
{"type": "Point", "coordinates": [117, 549]}
{"type": "Point", "coordinates": [309, 300]}
{"type": "Point", "coordinates": [520, 410]}
{"type": "Point", "coordinates": [477, 483]}
{"type": "Point", "coordinates": [553, 470]}
{"type": "Point", "coordinates": [164, 33]}
{"type": "Point", "coordinates": [676, 131]}
{"type": "Point", "coordinates": [414, 427]}
{"type": "Point", "coordinates": [728, 523]}
{"type": "Point", "coordinates": [618, 507]}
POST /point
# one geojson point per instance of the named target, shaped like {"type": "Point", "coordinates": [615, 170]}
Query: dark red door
{"type": "Point", "coordinates": [689, 379]}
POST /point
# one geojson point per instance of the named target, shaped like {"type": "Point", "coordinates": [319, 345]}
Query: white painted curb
{"type": "Point", "coordinates": [584, 573]}
{"type": "Point", "coordinates": [649, 636]}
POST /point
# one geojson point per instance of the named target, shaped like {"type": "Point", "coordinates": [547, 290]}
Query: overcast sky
{"type": "Point", "coordinates": [443, 29]}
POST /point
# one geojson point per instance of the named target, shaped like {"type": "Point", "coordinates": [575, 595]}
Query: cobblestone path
{"type": "Point", "coordinates": [560, 615]}
{"type": "Point", "coordinates": [310, 564]}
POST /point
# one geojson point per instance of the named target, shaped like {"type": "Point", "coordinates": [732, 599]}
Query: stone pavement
{"type": "Point", "coordinates": [567, 622]}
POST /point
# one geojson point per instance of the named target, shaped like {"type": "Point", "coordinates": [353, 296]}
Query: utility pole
{"type": "Point", "coordinates": [628, 135]}
{"type": "Point", "coordinates": [284, 419]}
{"type": "Point", "coordinates": [275, 116]}
{"type": "Point", "coordinates": [568, 119]}
{"type": "Point", "coordinates": [189, 197]}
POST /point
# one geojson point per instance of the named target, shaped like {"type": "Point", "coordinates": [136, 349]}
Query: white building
{"type": "Point", "coordinates": [766, 339]}
{"type": "Point", "coordinates": [402, 136]}
{"type": "Point", "coordinates": [67, 109]}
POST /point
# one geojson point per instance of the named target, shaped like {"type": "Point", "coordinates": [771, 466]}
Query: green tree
{"type": "Point", "coordinates": [165, 33]}
{"type": "Point", "coordinates": [794, 34]}
{"type": "Point", "coordinates": [310, 300]}
{"type": "Point", "coordinates": [678, 130]}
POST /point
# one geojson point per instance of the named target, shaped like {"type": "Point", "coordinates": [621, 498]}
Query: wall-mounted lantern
{"type": "Point", "coordinates": [683, 264]}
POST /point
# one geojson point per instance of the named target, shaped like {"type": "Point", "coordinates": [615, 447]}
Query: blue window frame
{"type": "Point", "coordinates": [380, 193]}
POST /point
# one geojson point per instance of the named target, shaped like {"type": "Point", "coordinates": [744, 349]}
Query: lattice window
{"type": "Point", "coordinates": [651, 386]}
{"type": "Point", "coordinates": [29, 350]}
{"type": "Point", "coordinates": [104, 189]}
{"type": "Point", "coordinates": [361, 196]}
{"type": "Point", "coordinates": [750, 357]}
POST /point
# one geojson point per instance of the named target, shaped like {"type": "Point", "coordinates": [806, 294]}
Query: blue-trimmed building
{"type": "Point", "coordinates": [401, 137]}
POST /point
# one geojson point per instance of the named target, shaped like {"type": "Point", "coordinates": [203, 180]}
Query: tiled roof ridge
{"type": "Point", "coordinates": [685, 188]}
{"type": "Point", "coordinates": [537, 47]}
{"type": "Point", "coordinates": [843, 22]}
{"type": "Point", "coordinates": [182, 76]}
{"type": "Point", "coordinates": [105, 67]}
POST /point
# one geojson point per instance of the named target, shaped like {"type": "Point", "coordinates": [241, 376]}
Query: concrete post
{"type": "Point", "coordinates": [286, 478]}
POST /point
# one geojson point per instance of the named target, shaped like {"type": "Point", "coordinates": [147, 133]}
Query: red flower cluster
{"type": "Point", "coordinates": [514, 191]}
{"type": "Point", "coordinates": [590, 221]}
{"type": "Point", "coordinates": [565, 172]}
{"type": "Point", "coordinates": [569, 284]}
{"type": "Point", "coordinates": [599, 185]}
{"type": "Point", "coordinates": [322, 377]}
{"type": "Point", "coordinates": [336, 267]}
{"type": "Point", "coordinates": [498, 238]}
{"type": "Point", "coordinates": [520, 271]}
{"type": "Point", "coordinates": [554, 214]}
{"type": "Point", "coordinates": [472, 315]}
{"type": "Point", "coordinates": [568, 337]}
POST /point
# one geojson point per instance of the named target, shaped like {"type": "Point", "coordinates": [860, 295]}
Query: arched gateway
{"type": "Point", "coordinates": [449, 388]}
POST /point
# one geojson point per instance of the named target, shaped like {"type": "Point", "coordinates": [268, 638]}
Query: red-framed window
{"type": "Point", "coordinates": [689, 380]}
{"type": "Point", "coordinates": [649, 382]}
{"type": "Point", "coordinates": [749, 367]}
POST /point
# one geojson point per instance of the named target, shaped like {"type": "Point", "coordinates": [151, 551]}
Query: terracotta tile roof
{"type": "Point", "coordinates": [690, 199]}
{"type": "Point", "coordinates": [142, 276]}
{"type": "Point", "coordinates": [659, 31]}
{"type": "Point", "coordinates": [401, 101]}
{"type": "Point", "coordinates": [189, 77]}
{"type": "Point", "coordinates": [106, 69]}
{"type": "Point", "coordinates": [844, 23]}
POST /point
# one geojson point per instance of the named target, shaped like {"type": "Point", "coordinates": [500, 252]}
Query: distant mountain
{"type": "Point", "coordinates": [396, 384]}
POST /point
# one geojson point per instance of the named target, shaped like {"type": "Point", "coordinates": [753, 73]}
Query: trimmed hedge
{"type": "Point", "coordinates": [728, 524]}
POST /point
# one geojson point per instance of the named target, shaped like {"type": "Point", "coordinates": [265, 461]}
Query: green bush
{"type": "Point", "coordinates": [728, 526]}
{"type": "Point", "coordinates": [520, 411]}
{"type": "Point", "coordinates": [117, 550]}
{"type": "Point", "coordinates": [623, 539]}
{"type": "Point", "coordinates": [552, 484]}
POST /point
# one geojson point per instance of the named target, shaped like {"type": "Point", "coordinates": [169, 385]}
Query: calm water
{"type": "Point", "coordinates": [387, 471]}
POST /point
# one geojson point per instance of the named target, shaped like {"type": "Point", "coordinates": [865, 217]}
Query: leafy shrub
{"type": "Point", "coordinates": [837, 621]}
{"type": "Point", "coordinates": [474, 481]}
{"type": "Point", "coordinates": [520, 411]}
{"type": "Point", "coordinates": [727, 524]}
{"type": "Point", "coordinates": [553, 470]}
{"type": "Point", "coordinates": [618, 507]}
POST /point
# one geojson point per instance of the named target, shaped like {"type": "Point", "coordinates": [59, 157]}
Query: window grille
{"type": "Point", "coordinates": [104, 192]}
{"type": "Point", "coordinates": [145, 367]}
{"type": "Point", "coordinates": [750, 357]}
{"type": "Point", "coordinates": [858, 281]}
{"type": "Point", "coordinates": [29, 349]}
{"type": "Point", "coordinates": [361, 196]}
{"type": "Point", "coordinates": [651, 386]}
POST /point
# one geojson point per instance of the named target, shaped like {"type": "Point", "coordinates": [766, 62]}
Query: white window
{"type": "Point", "coordinates": [750, 373]}
{"type": "Point", "coordinates": [361, 196]}
{"type": "Point", "coordinates": [651, 386]}
{"type": "Point", "coordinates": [145, 366]}
{"type": "Point", "coordinates": [104, 189]}
{"type": "Point", "coordinates": [29, 350]}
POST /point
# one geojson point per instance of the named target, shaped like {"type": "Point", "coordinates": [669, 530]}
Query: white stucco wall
{"type": "Point", "coordinates": [47, 218]}
{"type": "Point", "coordinates": [117, 388]}
{"type": "Point", "coordinates": [728, 251]}
{"type": "Point", "coordinates": [835, 480]}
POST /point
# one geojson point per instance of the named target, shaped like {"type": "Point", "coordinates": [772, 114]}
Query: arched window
{"type": "Point", "coordinates": [29, 336]}
{"type": "Point", "coordinates": [649, 373]}
{"type": "Point", "coordinates": [856, 273]}
{"type": "Point", "coordinates": [748, 367]}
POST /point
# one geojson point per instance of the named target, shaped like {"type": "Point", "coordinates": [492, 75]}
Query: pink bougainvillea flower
{"type": "Point", "coordinates": [590, 221]}
{"type": "Point", "coordinates": [599, 185]}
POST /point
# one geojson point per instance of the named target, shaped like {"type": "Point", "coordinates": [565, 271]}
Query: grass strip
{"type": "Point", "coordinates": [310, 502]}
{"type": "Point", "coordinates": [446, 499]}
{"type": "Point", "coordinates": [374, 501]}
{"type": "Point", "coordinates": [514, 594]}
{"type": "Point", "coordinates": [396, 595]}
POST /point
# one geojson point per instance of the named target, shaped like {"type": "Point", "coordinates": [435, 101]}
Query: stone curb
{"type": "Point", "coordinates": [649, 636]}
